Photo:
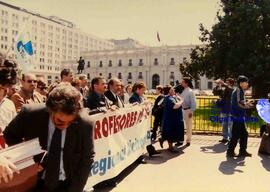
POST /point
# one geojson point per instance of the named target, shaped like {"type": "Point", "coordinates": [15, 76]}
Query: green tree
{"type": "Point", "coordinates": [238, 44]}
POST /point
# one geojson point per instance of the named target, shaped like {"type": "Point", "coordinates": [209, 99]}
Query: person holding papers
{"type": "Point", "coordinates": [97, 102]}
{"type": "Point", "coordinates": [6, 170]}
{"type": "Point", "coordinates": [65, 131]}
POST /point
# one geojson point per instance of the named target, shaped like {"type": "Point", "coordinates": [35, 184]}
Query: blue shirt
{"type": "Point", "coordinates": [189, 99]}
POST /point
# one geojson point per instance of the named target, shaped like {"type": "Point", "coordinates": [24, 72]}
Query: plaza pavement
{"type": "Point", "coordinates": [201, 167]}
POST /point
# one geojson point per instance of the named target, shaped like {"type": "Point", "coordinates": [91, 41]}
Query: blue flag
{"type": "Point", "coordinates": [24, 52]}
{"type": "Point", "coordinates": [263, 108]}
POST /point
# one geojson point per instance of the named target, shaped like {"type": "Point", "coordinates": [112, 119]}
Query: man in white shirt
{"type": "Point", "coordinates": [189, 106]}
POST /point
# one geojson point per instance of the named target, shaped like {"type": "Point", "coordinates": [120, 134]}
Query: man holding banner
{"type": "Point", "coordinates": [96, 101]}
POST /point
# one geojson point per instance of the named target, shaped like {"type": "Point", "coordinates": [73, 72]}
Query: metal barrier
{"type": "Point", "coordinates": [207, 119]}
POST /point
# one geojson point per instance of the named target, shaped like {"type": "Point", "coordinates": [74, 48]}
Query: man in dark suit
{"type": "Point", "coordinates": [96, 101]}
{"type": "Point", "coordinates": [114, 88]}
{"type": "Point", "coordinates": [65, 132]}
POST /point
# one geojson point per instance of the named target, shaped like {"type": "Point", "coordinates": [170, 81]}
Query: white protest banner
{"type": "Point", "coordinates": [120, 138]}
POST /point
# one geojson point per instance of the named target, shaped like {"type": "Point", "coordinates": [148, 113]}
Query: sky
{"type": "Point", "coordinates": [177, 21]}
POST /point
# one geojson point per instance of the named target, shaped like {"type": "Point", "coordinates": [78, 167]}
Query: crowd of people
{"type": "Point", "coordinates": [58, 115]}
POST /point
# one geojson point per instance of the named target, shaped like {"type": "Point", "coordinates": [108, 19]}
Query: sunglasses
{"type": "Point", "coordinates": [31, 81]}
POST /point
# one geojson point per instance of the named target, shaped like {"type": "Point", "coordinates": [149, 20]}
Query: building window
{"type": "Point", "coordinates": [110, 63]}
{"type": "Point", "coordinates": [129, 75]}
{"type": "Point", "coordinates": [100, 74]}
{"type": "Point", "coordinates": [109, 75]}
{"type": "Point", "coordinates": [100, 64]}
{"type": "Point", "coordinates": [141, 62]}
{"type": "Point", "coordinates": [88, 64]}
{"type": "Point", "coordinates": [156, 61]}
{"type": "Point", "coordinates": [172, 75]}
{"type": "Point", "coordinates": [210, 85]}
{"type": "Point", "coordinates": [88, 76]}
{"type": "Point", "coordinates": [119, 75]}
{"type": "Point", "coordinates": [120, 63]}
{"type": "Point", "coordinates": [140, 75]}
{"type": "Point", "coordinates": [172, 61]}
{"type": "Point", "coordinates": [130, 62]}
{"type": "Point", "coordinates": [172, 79]}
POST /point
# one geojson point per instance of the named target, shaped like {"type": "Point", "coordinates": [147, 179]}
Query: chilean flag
{"type": "Point", "coordinates": [158, 37]}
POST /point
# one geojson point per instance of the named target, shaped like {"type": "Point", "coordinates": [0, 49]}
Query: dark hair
{"type": "Point", "coordinates": [95, 81]}
{"type": "Point", "coordinates": [231, 81]}
{"type": "Point", "coordinates": [166, 89]}
{"type": "Point", "coordinates": [188, 81]}
{"type": "Point", "coordinates": [138, 85]}
{"type": "Point", "coordinates": [112, 81]}
{"type": "Point", "coordinates": [64, 98]}
{"type": "Point", "coordinates": [65, 72]}
{"type": "Point", "coordinates": [241, 79]}
{"type": "Point", "coordinates": [160, 88]}
{"type": "Point", "coordinates": [179, 88]}
{"type": "Point", "coordinates": [8, 71]}
{"type": "Point", "coordinates": [41, 84]}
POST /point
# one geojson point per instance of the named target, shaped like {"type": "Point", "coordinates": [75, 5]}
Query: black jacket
{"type": "Point", "coordinates": [158, 107]}
{"type": "Point", "coordinates": [78, 152]}
{"type": "Point", "coordinates": [135, 98]}
{"type": "Point", "coordinates": [95, 102]}
{"type": "Point", "coordinates": [112, 98]}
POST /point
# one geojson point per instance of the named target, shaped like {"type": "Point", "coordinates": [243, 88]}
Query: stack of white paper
{"type": "Point", "coordinates": [22, 154]}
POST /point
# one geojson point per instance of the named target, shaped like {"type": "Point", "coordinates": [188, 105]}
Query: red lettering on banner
{"type": "Point", "coordinates": [135, 117]}
{"type": "Point", "coordinates": [122, 122]}
{"type": "Point", "coordinates": [105, 127]}
{"type": "Point", "coordinates": [97, 130]}
{"type": "Point", "coordinates": [115, 126]}
{"type": "Point", "coordinates": [131, 119]}
{"type": "Point", "coordinates": [118, 122]}
{"type": "Point", "coordinates": [127, 120]}
{"type": "Point", "coordinates": [111, 124]}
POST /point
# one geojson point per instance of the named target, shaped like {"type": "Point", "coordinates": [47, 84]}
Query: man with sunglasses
{"type": "Point", "coordinates": [28, 93]}
{"type": "Point", "coordinates": [65, 132]}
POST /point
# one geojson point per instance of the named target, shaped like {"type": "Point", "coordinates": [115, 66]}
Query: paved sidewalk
{"type": "Point", "coordinates": [201, 167]}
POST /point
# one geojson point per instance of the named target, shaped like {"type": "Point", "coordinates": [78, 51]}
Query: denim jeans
{"type": "Point", "coordinates": [226, 125]}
